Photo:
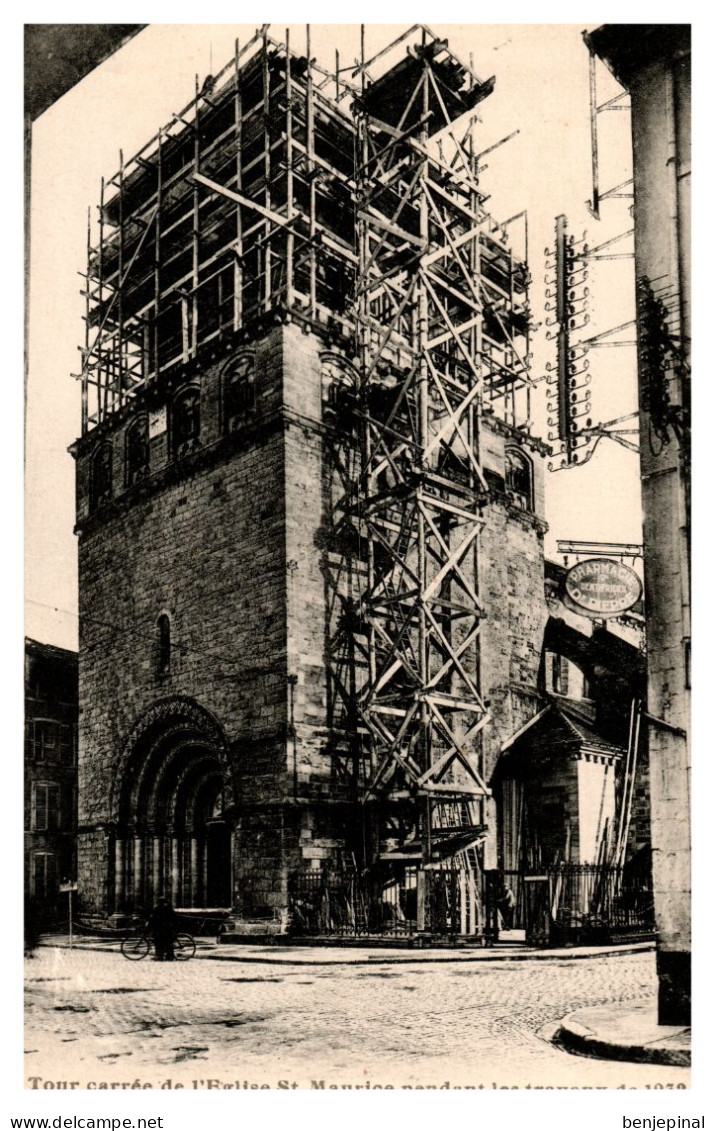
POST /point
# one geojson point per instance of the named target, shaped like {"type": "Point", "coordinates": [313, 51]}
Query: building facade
{"type": "Point", "coordinates": [572, 784]}
{"type": "Point", "coordinates": [51, 700]}
{"type": "Point", "coordinates": [598, 668]}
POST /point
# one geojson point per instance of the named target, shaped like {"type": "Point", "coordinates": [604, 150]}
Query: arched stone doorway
{"type": "Point", "coordinates": [173, 802]}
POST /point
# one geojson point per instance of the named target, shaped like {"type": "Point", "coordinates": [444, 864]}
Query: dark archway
{"type": "Point", "coordinates": [172, 800]}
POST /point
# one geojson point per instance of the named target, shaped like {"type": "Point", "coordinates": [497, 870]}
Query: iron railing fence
{"type": "Point", "coordinates": [577, 903]}
{"type": "Point", "coordinates": [350, 904]}
{"type": "Point", "coordinates": [574, 904]}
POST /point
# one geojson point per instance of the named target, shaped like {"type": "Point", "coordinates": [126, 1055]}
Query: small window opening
{"type": "Point", "coordinates": [187, 422]}
{"type": "Point", "coordinates": [560, 675]}
{"type": "Point", "coordinates": [566, 678]}
{"type": "Point", "coordinates": [240, 393]}
{"type": "Point", "coordinates": [164, 626]}
{"type": "Point", "coordinates": [137, 452]}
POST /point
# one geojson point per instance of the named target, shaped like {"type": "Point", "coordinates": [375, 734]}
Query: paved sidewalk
{"type": "Point", "coordinates": [625, 1031]}
{"type": "Point", "coordinates": [356, 956]}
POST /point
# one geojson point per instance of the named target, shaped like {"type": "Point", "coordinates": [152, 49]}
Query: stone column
{"type": "Point", "coordinates": [422, 901]}
{"type": "Point", "coordinates": [175, 848]}
{"type": "Point", "coordinates": [194, 864]}
{"type": "Point", "coordinates": [138, 846]}
{"type": "Point", "coordinates": [156, 876]}
{"type": "Point", "coordinates": [233, 849]}
{"type": "Point", "coordinates": [119, 892]}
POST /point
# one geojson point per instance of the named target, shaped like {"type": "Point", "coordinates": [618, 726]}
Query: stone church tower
{"type": "Point", "coordinates": [281, 675]}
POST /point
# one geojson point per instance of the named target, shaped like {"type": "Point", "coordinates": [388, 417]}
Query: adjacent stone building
{"type": "Point", "coordinates": [50, 773]}
{"type": "Point", "coordinates": [573, 783]}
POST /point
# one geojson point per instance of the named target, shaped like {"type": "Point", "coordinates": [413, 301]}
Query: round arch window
{"type": "Point", "coordinates": [239, 392]}
{"type": "Point", "coordinates": [137, 451]}
{"type": "Point", "coordinates": [101, 476]}
{"type": "Point", "coordinates": [518, 478]}
{"type": "Point", "coordinates": [186, 422]}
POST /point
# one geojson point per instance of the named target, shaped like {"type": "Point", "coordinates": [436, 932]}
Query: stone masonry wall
{"type": "Point", "coordinates": [203, 541]}
{"type": "Point", "coordinates": [227, 543]}
{"type": "Point", "coordinates": [514, 615]}
{"type": "Point", "coordinates": [306, 593]}
{"type": "Point", "coordinates": [514, 611]}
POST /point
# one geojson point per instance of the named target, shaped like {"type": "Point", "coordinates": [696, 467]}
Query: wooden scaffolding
{"type": "Point", "coordinates": [349, 200]}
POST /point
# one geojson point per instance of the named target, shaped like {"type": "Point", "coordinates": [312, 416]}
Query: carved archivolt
{"type": "Point", "coordinates": [157, 722]}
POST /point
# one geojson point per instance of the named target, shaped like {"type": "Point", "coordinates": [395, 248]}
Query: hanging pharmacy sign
{"type": "Point", "coordinates": [602, 588]}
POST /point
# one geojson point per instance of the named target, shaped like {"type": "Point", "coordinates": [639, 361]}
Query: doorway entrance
{"type": "Point", "coordinates": [174, 836]}
{"type": "Point", "coordinates": [218, 864]}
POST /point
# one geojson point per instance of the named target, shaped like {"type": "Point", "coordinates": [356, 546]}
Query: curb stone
{"type": "Point", "coordinates": [578, 1038]}
{"type": "Point", "coordinates": [384, 957]}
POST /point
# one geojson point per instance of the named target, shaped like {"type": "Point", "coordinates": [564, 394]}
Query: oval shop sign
{"type": "Point", "coordinates": [602, 588]}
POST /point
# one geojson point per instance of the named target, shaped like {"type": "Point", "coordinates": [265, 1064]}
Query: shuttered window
{"type": "Point", "coordinates": [45, 807]}
{"type": "Point", "coordinates": [50, 741]}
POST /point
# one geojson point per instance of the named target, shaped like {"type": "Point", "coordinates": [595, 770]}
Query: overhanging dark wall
{"type": "Point", "coordinates": [58, 56]}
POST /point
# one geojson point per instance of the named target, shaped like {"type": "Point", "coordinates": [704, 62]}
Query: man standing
{"type": "Point", "coordinates": [507, 905]}
{"type": "Point", "coordinates": [162, 923]}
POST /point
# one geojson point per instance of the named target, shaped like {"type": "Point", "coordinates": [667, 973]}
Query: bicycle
{"type": "Point", "coordinates": [140, 946]}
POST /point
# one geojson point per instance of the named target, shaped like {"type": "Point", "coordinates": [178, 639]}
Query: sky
{"type": "Point", "coordinates": [541, 90]}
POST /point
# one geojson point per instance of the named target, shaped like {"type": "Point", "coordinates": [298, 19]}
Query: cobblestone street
{"type": "Point", "coordinates": [294, 1018]}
